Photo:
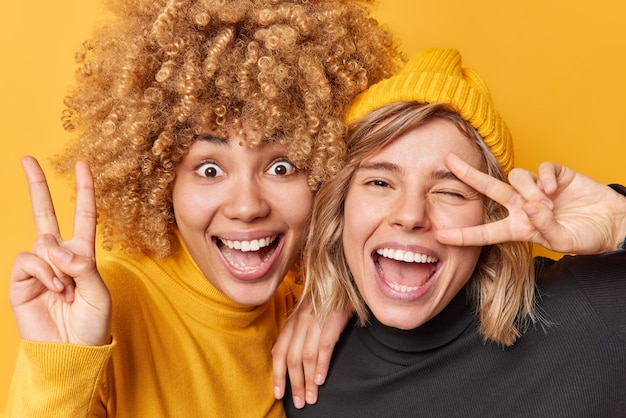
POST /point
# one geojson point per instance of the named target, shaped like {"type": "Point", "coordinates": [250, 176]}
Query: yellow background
{"type": "Point", "coordinates": [556, 70]}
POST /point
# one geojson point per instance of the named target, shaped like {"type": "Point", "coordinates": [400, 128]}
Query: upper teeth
{"type": "Point", "coordinates": [407, 256]}
{"type": "Point", "coordinates": [252, 245]}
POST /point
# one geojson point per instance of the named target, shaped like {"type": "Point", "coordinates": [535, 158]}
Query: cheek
{"type": "Point", "coordinates": [352, 224]}
{"type": "Point", "coordinates": [297, 205]}
{"type": "Point", "coordinates": [459, 216]}
{"type": "Point", "coordinates": [465, 265]}
{"type": "Point", "coordinates": [357, 227]}
{"type": "Point", "coordinates": [190, 209]}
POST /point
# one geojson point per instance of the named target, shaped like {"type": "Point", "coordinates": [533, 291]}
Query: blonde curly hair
{"type": "Point", "coordinates": [162, 70]}
{"type": "Point", "coordinates": [502, 286]}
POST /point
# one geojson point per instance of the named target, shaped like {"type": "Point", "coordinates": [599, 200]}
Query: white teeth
{"type": "Point", "coordinates": [406, 256]}
{"type": "Point", "coordinates": [402, 288]}
{"type": "Point", "coordinates": [245, 246]}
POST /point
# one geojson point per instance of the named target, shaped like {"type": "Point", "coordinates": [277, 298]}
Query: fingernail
{"type": "Point", "coordinates": [297, 402]}
{"type": "Point", "coordinates": [531, 210]}
{"type": "Point", "coordinates": [60, 254]}
{"type": "Point", "coordinates": [319, 379]}
{"type": "Point", "coordinates": [277, 393]}
{"type": "Point", "coordinates": [57, 283]}
{"type": "Point", "coordinates": [68, 293]}
{"type": "Point", "coordinates": [310, 399]}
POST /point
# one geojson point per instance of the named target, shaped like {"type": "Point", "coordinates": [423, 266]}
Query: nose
{"type": "Point", "coordinates": [247, 200]}
{"type": "Point", "coordinates": [410, 212]}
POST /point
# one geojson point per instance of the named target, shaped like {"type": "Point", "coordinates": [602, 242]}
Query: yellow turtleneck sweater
{"type": "Point", "coordinates": [180, 349]}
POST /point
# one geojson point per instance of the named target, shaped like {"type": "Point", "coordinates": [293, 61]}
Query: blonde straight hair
{"type": "Point", "coordinates": [501, 289]}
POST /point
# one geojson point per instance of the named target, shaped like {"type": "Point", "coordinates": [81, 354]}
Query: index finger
{"type": "Point", "coordinates": [40, 199]}
{"type": "Point", "coordinates": [489, 186]}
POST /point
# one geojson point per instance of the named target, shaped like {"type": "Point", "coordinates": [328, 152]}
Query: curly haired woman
{"type": "Point", "coordinates": [204, 128]}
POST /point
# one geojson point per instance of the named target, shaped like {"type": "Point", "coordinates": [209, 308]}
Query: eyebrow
{"type": "Point", "coordinates": [383, 166]}
{"type": "Point", "coordinates": [212, 138]}
{"type": "Point", "coordinates": [394, 168]}
{"type": "Point", "coordinates": [443, 175]}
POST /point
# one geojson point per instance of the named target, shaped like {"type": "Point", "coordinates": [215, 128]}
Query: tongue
{"type": "Point", "coordinates": [248, 259]}
{"type": "Point", "coordinates": [403, 273]}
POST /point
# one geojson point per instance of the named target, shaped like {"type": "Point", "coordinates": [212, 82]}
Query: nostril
{"type": "Point", "coordinates": [247, 205]}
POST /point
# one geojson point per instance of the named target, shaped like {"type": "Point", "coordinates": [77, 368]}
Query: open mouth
{"type": "Point", "coordinates": [247, 255]}
{"type": "Point", "coordinates": [404, 271]}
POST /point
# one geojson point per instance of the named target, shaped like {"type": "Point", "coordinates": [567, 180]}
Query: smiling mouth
{"type": "Point", "coordinates": [404, 271]}
{"type": "Point", "coordinates": [247, 255]}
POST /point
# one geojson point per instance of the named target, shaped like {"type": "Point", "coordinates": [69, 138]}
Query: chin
{"type": "Point", "coordinates": [404, 319]}
{"type": "Point", "coordinates": [254, 295]}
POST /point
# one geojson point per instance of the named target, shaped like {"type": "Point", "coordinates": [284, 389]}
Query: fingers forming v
{"type": "Point", "coordinates": [44, 214]}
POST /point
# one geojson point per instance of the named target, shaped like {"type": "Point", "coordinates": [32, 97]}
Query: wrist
{"type": "Point", "coordinates": [621, 216]}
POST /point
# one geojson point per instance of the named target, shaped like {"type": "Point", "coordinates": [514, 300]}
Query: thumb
{"type": "Point", "coordinates": [87, 280]}
{"type": "Point", "coordinates": [71, 264]}
{"type": "Point", "coordinates": [81, 269]}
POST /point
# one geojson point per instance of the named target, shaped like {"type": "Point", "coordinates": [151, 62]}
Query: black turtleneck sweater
{"type": "Point", "coordinates": [573, 364]}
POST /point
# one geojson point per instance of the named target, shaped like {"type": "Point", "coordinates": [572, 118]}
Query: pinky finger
{"type": "Point", "coordinates": [548, 173]}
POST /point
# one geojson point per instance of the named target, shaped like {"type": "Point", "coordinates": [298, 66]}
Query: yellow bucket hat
{"type": "Point", "coordinates": [435, 75]}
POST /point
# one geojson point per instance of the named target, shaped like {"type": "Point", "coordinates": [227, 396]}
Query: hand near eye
{"type": "Point", "coordinates": [557, 208]}
{"type": "Point", "coordinates": [56, 292]}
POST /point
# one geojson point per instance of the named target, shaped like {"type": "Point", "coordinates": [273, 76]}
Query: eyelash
{"type": "Point", "coordinates": [378, 183]}
{"type": "Point", "coordinates": [206, 165]}
{"type": "Point", "coordinates": [290, 170]}
{"type": "Point", "coordinates": [384, 184]}
{"type": "Point", "coordinates": [453, 194]}
{"type": "Point", "coordinates": [203, 167]}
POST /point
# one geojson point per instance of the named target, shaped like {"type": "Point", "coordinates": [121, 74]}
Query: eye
{"type": "Point", "coordinates": [378, 183]}
{"type": "Point", "coordinates": [281, 168]}
{"type": "Point", "coordinates": [209, 170]}
{"type": "Point", "coordinates": [452, 195]}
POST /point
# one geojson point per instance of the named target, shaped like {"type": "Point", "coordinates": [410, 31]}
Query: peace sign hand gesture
{"type": "Point", "coordinates": [557, 208]}
{"type": "Point", "coordinates": [56, 292]}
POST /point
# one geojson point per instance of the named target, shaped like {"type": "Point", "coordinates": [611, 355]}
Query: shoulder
{"type": "Point", "coordinates": [120, 270]}
{"type": "Point", "coordinates": [598, 281]}
{"type": "Point", "coordinates": [600, 268]}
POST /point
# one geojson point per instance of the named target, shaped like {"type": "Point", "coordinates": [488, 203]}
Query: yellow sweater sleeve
{"type": "Point", "coordinates": [58, 380]}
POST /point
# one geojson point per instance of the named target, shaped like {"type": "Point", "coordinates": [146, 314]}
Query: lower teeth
{"type": "Point", "coordinates": [402, 288]}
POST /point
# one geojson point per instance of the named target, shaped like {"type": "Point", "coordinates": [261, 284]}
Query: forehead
{"type": "Point", "coordinates": [429, 142]}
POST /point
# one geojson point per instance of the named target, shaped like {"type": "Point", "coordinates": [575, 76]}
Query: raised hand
{"type": "Point", "coordinates": [557, 208]}
{"type": "Point", "coordinates": [56, 292]}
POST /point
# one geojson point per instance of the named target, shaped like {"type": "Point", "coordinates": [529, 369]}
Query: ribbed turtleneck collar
{"type": "Point", "coordinates": [399, 345]}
